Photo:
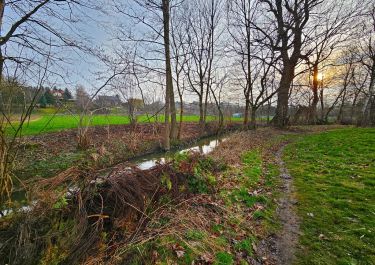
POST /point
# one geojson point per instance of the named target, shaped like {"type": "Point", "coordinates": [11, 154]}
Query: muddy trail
{"type": "Point", "coordinates": [279, 249]}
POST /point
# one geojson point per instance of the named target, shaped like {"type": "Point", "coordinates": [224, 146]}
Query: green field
{"type": "Point", "coordinates": [334, 176]}
{"type": "Point", "coordinates": [52, 123]}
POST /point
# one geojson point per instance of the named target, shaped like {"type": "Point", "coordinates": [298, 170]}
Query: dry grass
{"type": "Point", "coordinates": [81, 214]}
{"type": "Point", "coordinates": [232, 149]}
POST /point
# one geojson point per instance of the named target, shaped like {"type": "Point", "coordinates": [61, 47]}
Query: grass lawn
{"type": "Point", "coordinates": [51, 123]}
{"type": "Point", "coordinates": [334, 176]}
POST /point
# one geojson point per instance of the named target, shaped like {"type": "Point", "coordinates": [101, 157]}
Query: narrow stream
{"type": "Point", "coordinates": [203, 146]}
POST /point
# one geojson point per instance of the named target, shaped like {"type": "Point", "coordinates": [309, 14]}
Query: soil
{"type": "Point", "coordinates": [279, 249]}
{"type": "Point", "coordinates": [274, 249]}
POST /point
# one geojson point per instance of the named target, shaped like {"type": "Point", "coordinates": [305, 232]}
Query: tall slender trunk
{"type": "Point", "coordinates": [339, 115]}
{"type": "Point", "coordinates": [281, 116]}
{"type": "Point", "coordinates": [253, 117]}
{"type": "Point", "coordinates": [181, 117]}
{"type": "Point", "coordinates": [368, 111]}
{"type": "Point", "coordinates": [174, 129]}
{"type": "Point", "coordinates": [221, 116]}
{"type": "Point", "coordinates": [341, 95]}
{"type": "Point", "coordinates": [1, 64]}
{"type": "Point", "coordinates": [180, 94]}
{"type": "Point", "coordinates": [168, 71]}
{"type": "Point", "coordinates": [248, 77]}
{"type": "Point", "coordinates": [372, 111]}
{"type": "Point", "coordinates": [2, 6]}
{"type": "Point", "coordinates": [205, 105]}
{"type": "Point", "coordinates": [321, 97]}
{"type": "Point", "coordinates": [247, 108]}
{"type": "Point", "coordinates": [201, 112]}
{"type": "Point", "coordinates": [211, 57]}
{"type": "Point", "coordinates": [131, 109]}
{"type": "Point", "coordinates": [353, 107]}
{"type": "Point", "coordinates": [312, 112]}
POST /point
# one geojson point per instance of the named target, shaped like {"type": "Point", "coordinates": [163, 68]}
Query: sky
{"type": "Point", "coordinates": [98, 31]}
{"type": "Point", "coordinates": [81, 67]}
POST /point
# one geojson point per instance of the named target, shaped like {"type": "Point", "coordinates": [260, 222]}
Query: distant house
{"type": "Point", "coordinates": [57, 93]}
{"type": "Point", "coordinates": [108, 101]}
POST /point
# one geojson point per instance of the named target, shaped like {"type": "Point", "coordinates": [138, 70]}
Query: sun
{"type": "Point", "coordinates": [320, 76]}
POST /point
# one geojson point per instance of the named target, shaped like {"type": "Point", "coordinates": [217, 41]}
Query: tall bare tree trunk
{"type": "Point", "coordinates": [315, 85]}
{"type": "Point", "coordinates": [268, 111]}
{"type": "Point", "coordinates": [247, 108]}
{"type": "Point", "coordinates": [201, 113]}
{"type": "Point", "coordinates": [321, 97]}
{"type": "Point", "coordinates": [205, 104]}
{"type": "Point", "coordinates": [290, 24]}
{"type": "Point", "coordinates": [174, 129]}
{"type": "Point", "coordinates": [181, 117]}
{"type": "Point", "coordinates": [2, 6]}
{"type": "Point", "coordinates": [368, 111]}
{"type": "Point", "coordinates": [168, 73]}
{"type": "Point", "coordinates": [281, 117]}
{"type": "Point", "coordinates": [352, 109]}
{"type": "Point", "coordinates": [339, 115]}
{"type": "Point", "coordinates": [248, 81]}
{"type": "Point", "coordinates": [221, 115]}
{"type": "Point", "coordinates": [253, 117]}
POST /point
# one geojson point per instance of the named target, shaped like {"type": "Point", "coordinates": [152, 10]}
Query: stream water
{"type": "Point", "coordinates": [203, 146]}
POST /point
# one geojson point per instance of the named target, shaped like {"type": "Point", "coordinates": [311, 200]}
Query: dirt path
{"type": "Point", "coordinates": [280, 248]}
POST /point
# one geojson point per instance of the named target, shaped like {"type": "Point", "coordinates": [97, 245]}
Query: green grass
{"type": "Point", "coordinates": [334, 175]}
{"type": "Point", "coordinates": [223, 258]}
{"type": "Point", "coordinates": [50, 123]}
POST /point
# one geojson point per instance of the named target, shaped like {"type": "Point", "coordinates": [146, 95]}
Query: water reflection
{"type": "Point", "coordinates": [203, 147]}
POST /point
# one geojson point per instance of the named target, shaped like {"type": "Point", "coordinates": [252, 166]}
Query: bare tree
{"type": "Point", "coordinates": [327, 32]}
{"type": "Point", "coordinates": [157, 42]}
{"type": "Point", "coordinates": [10, 132]}
{"type": "Point", "coordinates": [33, 34]}
{"type": "Point", "coordinates": [368, 61]}
{"type": "Point", "coordinates": [240, 17]}
{"type": "Point", "coordinates": [202, 21]}
{"type": "Point", "coordinates": [216, 88]}
{"type": "Point", "coordinates": [179, 58]}
{"type": "Point", "coordinates": [169, 133]}
{"type": "Point", "coordinates": [257, 62]}
{"type": "Point", "coordinates": [283, 32]}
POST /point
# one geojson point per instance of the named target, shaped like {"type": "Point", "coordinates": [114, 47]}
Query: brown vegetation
{"type": "Point", "coordinates": [78, 215]}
